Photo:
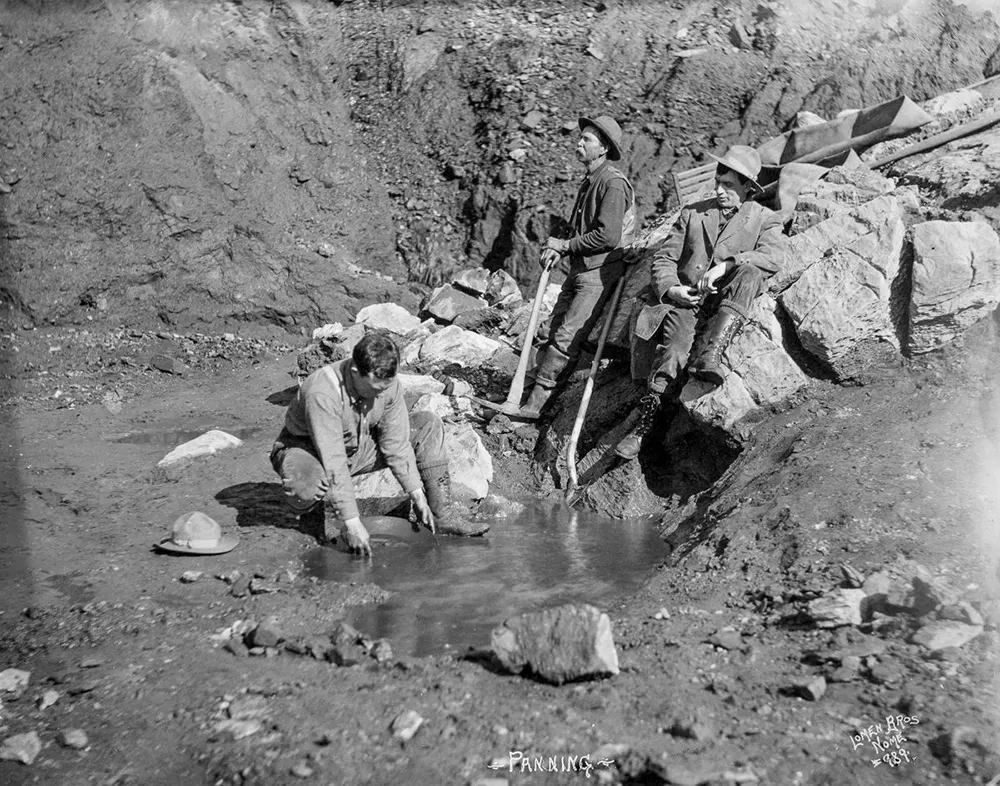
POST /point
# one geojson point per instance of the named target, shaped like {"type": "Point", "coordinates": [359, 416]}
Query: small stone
{"type": "Point", "coordinates": [236, 647]}
{"type": "Point", "coordinates": [852, 578]}
{"type": "Point", "coordinates": [454, 172]}
{"type": "Point", "coordinates": [940, 634]}
{"type": "Point", "coordinates": [14, 681]}
{"type": "Point", "coordinates": [74, 738]}
{"type": "Point", "coordinates": [247, 707]}
{"type": "Point", "coordinates": [595, 52]}
{"type": "Point", "coordinates": [499, 424]}
{"type": "Point", "coordinates": [238, 729]}
{"type": "Point", "coordinates": [301, 769]}
{"type": "Point", "coordinates": [21, 747]}
{"type": "Point", "coordinates": [507, 174]}
{"type": "Point", "coordinates": [381, 650]}
{"type": "Point", "coordinates": [47, 699]}
{"type": "Point", "coordinates": [262, 587]}
{"type": "Point", "coordinates": [264, 635]}
{"type": "Point", "coordinates": [340, 655]}
{"type": "Point", "coordinates": [229, 577]}
{"type": "Point", "coordinates": [699, 727]}
{"type": "Point", "coordinates": [838, 607]}
{"type": "Point", "coordinates": [885, 674]}
{"type": "Point", "coordinates": [726, 639]}
{"type": "Point", "coordinates": [168, 365]}
{"type": "Point", "coordinates": [240, 587]}
{"type": "Point", "coordinates": [532, 120]}
{"type": "Point", "coordinates": [405, 725]}
{"type": "Point", "coordinates": [84, 687]}
{"type": "Point", "coordinates": [810, 688]}
{"type": "Point", "coordinates": [191, 576]}
{"type": "Point", "coordinates": [960, 612]}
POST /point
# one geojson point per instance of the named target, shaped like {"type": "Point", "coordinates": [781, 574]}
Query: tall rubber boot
{"type": "Point", "coordinates": [649, 407]}
{"type": "Point", "coordinates": [532, 408]}
{"type": "Point", "coordinates": [448, 519]}
{"type": "Point", "coordinates": [706, 364]}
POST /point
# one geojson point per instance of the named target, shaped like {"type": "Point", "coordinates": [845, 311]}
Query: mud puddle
{"type": "Point", "coordinates": [451, 594]}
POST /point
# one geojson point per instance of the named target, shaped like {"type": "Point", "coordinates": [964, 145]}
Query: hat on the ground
{"type": "Point", "coordinates": [610, 130]}
{"type": "Point", "coordinates": [743, 159]}
{"type": "Point", "coordinates": [196, 533]}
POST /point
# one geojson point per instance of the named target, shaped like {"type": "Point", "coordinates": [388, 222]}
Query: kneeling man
{"type": "Point", "coordinates": [349, 418]}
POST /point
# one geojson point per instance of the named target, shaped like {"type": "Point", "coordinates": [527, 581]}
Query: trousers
{"type": "Point", "coordinates": [660, 360]}
{"type": "Point", "coordinates": [295, 459]}
{"type": "Point", "coordinates": [581, 300]}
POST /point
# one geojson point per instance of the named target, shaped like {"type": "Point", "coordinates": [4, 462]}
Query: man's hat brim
{"type": "Point", "coordinates": [614, 152]}
{"type": "Point", "coordinates": [226, 543]}
{"type": "Point", "coordinates": [736, 166]}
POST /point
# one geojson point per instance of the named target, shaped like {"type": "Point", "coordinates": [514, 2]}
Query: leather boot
{"type": "Point", "coordinates": [448, 518]}
{"type": "Point", "coordinates": [313, 522]}
{"type": "Point", "coordinates": [532, 408]}
{"type": "Point", "coordinates": [706, 363]}
{"type": "Point", "coordinates": [649, 407]}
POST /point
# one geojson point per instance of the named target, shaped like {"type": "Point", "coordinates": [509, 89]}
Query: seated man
{"type": "Point", "coordinates": [349, 418]}
{"type": "Point", "coordinates": [703, 280]}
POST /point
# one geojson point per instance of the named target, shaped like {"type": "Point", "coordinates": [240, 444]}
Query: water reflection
{"type": "Point", "coordinates": [452, 595]}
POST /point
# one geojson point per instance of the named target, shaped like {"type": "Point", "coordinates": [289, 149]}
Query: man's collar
{"type": "Point", "coordinates": [592, 174]}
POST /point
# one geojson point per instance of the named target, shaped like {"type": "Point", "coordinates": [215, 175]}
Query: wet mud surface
{"type": "Point", "coordinates": [901, 469]}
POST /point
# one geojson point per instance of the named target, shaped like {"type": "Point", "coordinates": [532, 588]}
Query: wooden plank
{"type": "Point", "coordinates": [694, 182]}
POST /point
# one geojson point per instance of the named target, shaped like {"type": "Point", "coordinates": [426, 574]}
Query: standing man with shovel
{"type": "Point", "coordinates": [602, 222]}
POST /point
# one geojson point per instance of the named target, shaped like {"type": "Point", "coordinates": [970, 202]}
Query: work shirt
{"type": "Point", "coordinates": [598, 213]}
{"type": "Point", "coordinates": [328, 410]}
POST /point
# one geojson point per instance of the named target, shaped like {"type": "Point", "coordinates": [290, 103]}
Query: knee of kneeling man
{"type": "Point", "coordinates": [425, 421]}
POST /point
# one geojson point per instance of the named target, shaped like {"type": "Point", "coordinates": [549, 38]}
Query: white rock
{"type": "Point", "coordinates": [549, 298]}
{"type": "Point", "coordinates": [419, 384]}
{"type": "Point", "coordinates": [238, 729]}
{"type": "Point", "coordinates": [388, 316]}
{"type": "Point", "coordinates": [457, 345]}
{"type": "Point", "coordinates": [761, 373]}
{"type": "Point", "coordinates": [327, 331]}
{"type": "Point", "coordinates": [843, 299]}
{"type": "Point", "coordinates": [445, 407]}
{"type": "Point", "coordinates": [21, 747]}
{"type": "Point", "coordinates": [796, 254]}
{"type": "Point", "coordinates": [956, 100]}
{"type": "Point", "coordinates": [14, 681]}
{"type": "Point", "coordinates": [74, 738]}
{"type": "Point", "coordinates": [939, 634]}
{"type": "Point", "coordinates": [469, 463]}
{"type": "Point", "coordinates": [208, 444]}
{"type": "Point", "coordinates": [956, 280]}
{"type": "Point", "coordinates": [405, 725]}
{"type": "Point", "coordinates": [837, 607]}
{"type": "Point", "coordinates": [47, 699]}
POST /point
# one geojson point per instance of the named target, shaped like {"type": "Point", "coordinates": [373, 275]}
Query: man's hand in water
{"type": "Point", "coordinates": [424, 513]}
{"type": "Point", "coordinates": [357, 538]}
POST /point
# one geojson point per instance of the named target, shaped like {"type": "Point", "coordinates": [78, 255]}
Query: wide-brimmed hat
{"type": "Point", "coordinates": [609, 129]}
{"type": "Point", "coordinates": [196, 533]}
{"type": "Point", "coordinates": [743, 159]}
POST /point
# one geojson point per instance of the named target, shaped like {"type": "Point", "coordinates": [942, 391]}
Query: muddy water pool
{"type": "Point", "coordinates": [449, 595]}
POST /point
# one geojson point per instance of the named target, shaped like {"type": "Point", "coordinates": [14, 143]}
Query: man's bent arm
{"type": "Point", "coordinates": [326, 428]}
{"type": "Point", "coordinates": [394, 443]}
{"type": "Point", "coordinates": [607, 231]}
{"type": "Point", "coordinates": [771, 235]}
{"type": "Point", "coordinates": [664, 266]}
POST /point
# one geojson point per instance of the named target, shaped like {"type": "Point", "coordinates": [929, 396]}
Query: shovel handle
{"type": "Point", "coordinates": [549, 258]}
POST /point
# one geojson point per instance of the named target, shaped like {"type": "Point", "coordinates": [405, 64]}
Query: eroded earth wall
{"type": "Point", "coordinates": [183, 163]}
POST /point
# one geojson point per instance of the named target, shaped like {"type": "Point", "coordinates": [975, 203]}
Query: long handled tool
{"type": "Point", "coordinates": [588, 390]}
{"type": "Point", "coordinates": [513, 403]}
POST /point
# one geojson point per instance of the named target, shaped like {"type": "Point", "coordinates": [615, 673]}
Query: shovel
{"type": "Point", "coordinates": [513, 403]}
{"type": "Point", "coordinates": [588, 390]}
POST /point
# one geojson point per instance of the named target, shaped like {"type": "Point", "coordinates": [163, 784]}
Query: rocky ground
{"type": "Point", "coordinates": [829, 611]}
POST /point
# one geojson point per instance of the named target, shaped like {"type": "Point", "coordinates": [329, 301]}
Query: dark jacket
{"type": "Point", "coordinates": [598, 217]}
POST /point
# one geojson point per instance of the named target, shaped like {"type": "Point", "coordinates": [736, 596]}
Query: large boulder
{"type": "Point", "coordinates": [469, 464]}
{"type": "Point", "coordinates": [502, 289]}
{"type": "Point", "coordinates": [388, 316]}
{"type": "Point", "coordinates": [798, 253]}
{"type": "Point", "coordinates": [447, 302]}
{"type": "Point", "coordinates": [557, 645]}
{"type": "Point", "coordinates": [761, 373]}
{"type": "Point", "coordinates": [956, 280]}
{"type": "Point", "coordinates": [841, 189]}
{"type": "Point", "coordinates": [841, 305]}
{"type": "Point", "coordinates": [456, 345]}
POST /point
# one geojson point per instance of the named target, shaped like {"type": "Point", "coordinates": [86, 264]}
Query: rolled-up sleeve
{"type": "Point", "coordinates": [325, 419]}
{"type": "Point", "coordinates": [606, 231]}
{"type": "Point", "coordinates": [394, 441]}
